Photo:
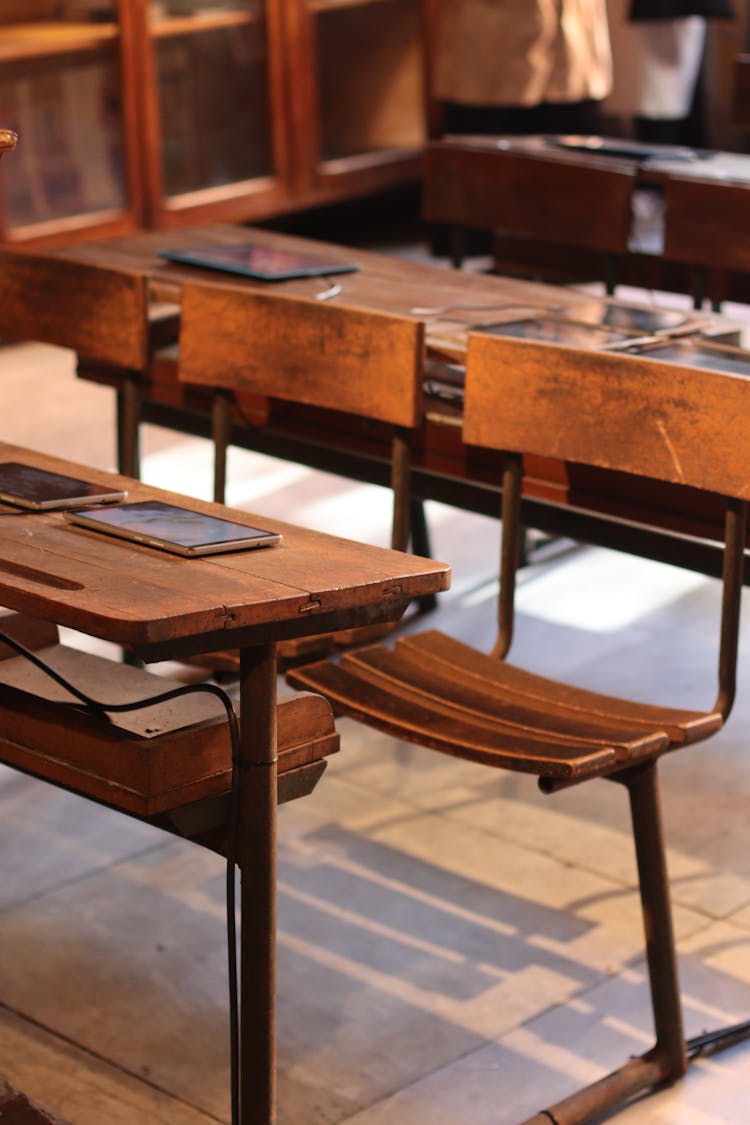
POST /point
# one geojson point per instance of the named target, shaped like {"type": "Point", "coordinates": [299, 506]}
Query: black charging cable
{"type": "Point", "coordinates": [234, 807]}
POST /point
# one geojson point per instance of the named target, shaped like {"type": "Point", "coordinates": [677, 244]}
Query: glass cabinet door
{"type": "Point", "coordinates": [371, 97]}
{"type": "Point", "coordinates": [60, 90]}
{"type": "Point", "coordinates": [214, 119]}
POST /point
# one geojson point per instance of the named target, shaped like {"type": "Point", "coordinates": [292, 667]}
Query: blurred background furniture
{"type": "Point", "coordinates": [168, 112]}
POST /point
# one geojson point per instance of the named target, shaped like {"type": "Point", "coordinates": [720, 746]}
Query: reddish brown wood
{"type": "Point", "coordinates": [707, 224]}
{"type": "Point", "coordinates": [145, 762]}
{"type": "Point", "coordinates": [672, 423]}
{"type": "Point", "coordinates": [366, 363]}
{"type": "Point", "coordinates": [741, 101]}
{"type": "Point", "coordinates": [16, 1109]}
{"type": "Point", "coordinates": [441, 654]}
{"type": "Point", "coordinates": [529, 195]}
{"type": "Point", "coordinates": [29, 631]}
{"type": "Point", "coordinates": [441, 694]}
{"type": "Point", "coordinates": [99, 313]}
{"type": "Point", "coordinates": [135, 594]}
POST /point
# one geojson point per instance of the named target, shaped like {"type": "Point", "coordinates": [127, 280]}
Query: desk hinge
{"type": "Point", "coordinates": [310, 607]}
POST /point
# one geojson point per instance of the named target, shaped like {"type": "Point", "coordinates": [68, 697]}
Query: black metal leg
{"type": "Point", "coordinates": [256, 854]}
{"type": "Point", "coordinates": [667, 1061]}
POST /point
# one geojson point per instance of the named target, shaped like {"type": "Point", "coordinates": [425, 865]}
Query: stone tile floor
{"type": "Point", "coordinates": [455, 949]}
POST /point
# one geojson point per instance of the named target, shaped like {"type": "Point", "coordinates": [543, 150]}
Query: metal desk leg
{"type": "Point", "coordinates": [256, 853]}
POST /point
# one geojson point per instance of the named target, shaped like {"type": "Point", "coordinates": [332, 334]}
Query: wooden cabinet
{"type": "Point", "coordinates": [169, 112]}
{"type": "Point", "coordinates": [357, 93]}
{"type": "Point", "coordinates": [67, 88]}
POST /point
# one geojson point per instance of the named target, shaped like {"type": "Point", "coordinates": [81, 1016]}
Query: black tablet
{"type": "Point", "coordinates": [179, 530]}
{"type": "Point", "coordinates": [261, 262]}
{"type": "Point", "coordinates": [26, 486]}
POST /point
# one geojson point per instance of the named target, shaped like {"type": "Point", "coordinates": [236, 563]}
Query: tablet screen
{"type": "Point", "coordinates": [30, 487]}
{"type": "Point", "coordinates": [262, 262]}
{"type": "Point", "coordinates": [179, 530]}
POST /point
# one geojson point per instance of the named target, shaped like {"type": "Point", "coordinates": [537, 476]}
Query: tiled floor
{"type": "Point", "coordinates": [455, 949]}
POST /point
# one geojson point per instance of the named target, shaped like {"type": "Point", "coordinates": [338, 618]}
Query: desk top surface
{"type": "Point", "coordinates": [449, 301]}
{"type": "Point", "coordinates": [133, 594]}
{"type": "Point", "coordinates": [660, 163]}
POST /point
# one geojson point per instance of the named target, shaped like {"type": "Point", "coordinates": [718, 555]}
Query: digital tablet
{"type": "Point", "coordinates": [179, 530]}
{"type": "Point", "coordinates": [623, 149]}
{"type": "Point", "coordinates": [556, 332]}
{"type": "Point", "coordinates": [642, 320]}
{"type": "Point", "coordinates": [693, 353]}
{"type": "Point", "coordinates": [261, 262]}
{"type": "Point", "coordinates": [26, 486]}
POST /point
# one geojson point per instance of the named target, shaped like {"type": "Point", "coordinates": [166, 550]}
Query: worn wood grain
{"type": "Point", "coordinates": [133, 594]}
{"type": "Point", "coordinates": [636, 415]}
{"type": "Point", "coordinates": [360, 362]}
{"type": "Point", "coordinates": [148, 761]}
{"type": "Point", "coordinates": [99, 313]}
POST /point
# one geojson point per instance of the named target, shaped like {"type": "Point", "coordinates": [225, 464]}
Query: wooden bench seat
{"type": "Point", "coordinates": [145, 762]}
{"type": "Point", "coordinates": [453, 698]}
{"type": "Point", "coordinates": [615, 412]}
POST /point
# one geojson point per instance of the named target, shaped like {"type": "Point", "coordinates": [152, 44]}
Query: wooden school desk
{"type": "Point", "coordinates": [167, 607]}
{"type": "Point", "coordinates": [575, 202]}
{"type": "Point", "coordinates": [599, 507]}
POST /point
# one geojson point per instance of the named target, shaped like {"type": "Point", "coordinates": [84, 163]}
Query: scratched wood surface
{"type": "Point", "coordinates": [679, 424]}
{"type": "Point", "coordinates": [446, 299]}
{"type": "Point", "coordinates": [98, 313]}
{"type": "Point", "coordinates": [358, 361]}
{"type": "Point", "coordinates": [130, 593]}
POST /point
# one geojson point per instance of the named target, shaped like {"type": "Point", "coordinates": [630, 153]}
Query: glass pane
{"type": "Point", "coordinates": [213, 92]}
{"type": "Point", "coordinates": [60, 91]}
{"type": "Point", "coordinates": [370, 76]}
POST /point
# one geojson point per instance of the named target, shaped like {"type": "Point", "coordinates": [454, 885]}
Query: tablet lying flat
{"type": "Point", "coordinates": [26, 486]}
{"type": "Point", "coordinates": [261, 262]}
{"type": "Point", "coordinates": [640, 319]}
{"type": "Point", "coordinates": [555, 331]}
{"type": "Point", "coordinates": [179, 530]}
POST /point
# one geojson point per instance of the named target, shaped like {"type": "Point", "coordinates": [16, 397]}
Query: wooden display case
{"type": "Point", "coordinates": [164, 113]}
{"type": "Point", "coordinates": [67, 89]}
{"type": "Point", "coordinates": [361, 102]}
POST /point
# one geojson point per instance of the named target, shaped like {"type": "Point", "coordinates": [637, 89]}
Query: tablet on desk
{"type": "Point", "coordinates": [640, 320]}
{"type": "Point", "coordinates": [554, 331]}
{"type": "Point", "coordinates": [261, 262]}
{"type": "Point", "coordinates": [623, 149]}
{"type": "Point", "coordinates": [179, 530]}
{"type": "Point", "coordinates": [26, 486]}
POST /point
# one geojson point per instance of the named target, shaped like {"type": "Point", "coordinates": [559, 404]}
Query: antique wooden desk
{"type": "Point", "coordinates": [463, 187]}
{"type": "Point", "coordinates": [164, 606]}
{"type": "Point", "coordinates": [594, 506]}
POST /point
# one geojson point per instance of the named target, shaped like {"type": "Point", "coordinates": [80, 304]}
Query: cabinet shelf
{"type": "Point", "coordinates": [176, 112]}
{"type": "Point", "coordinates": [332, 5]}
{"type": "Point", "coordinates": [43, 39]}
{"type": "Point", "coordinates": [174, 27]}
